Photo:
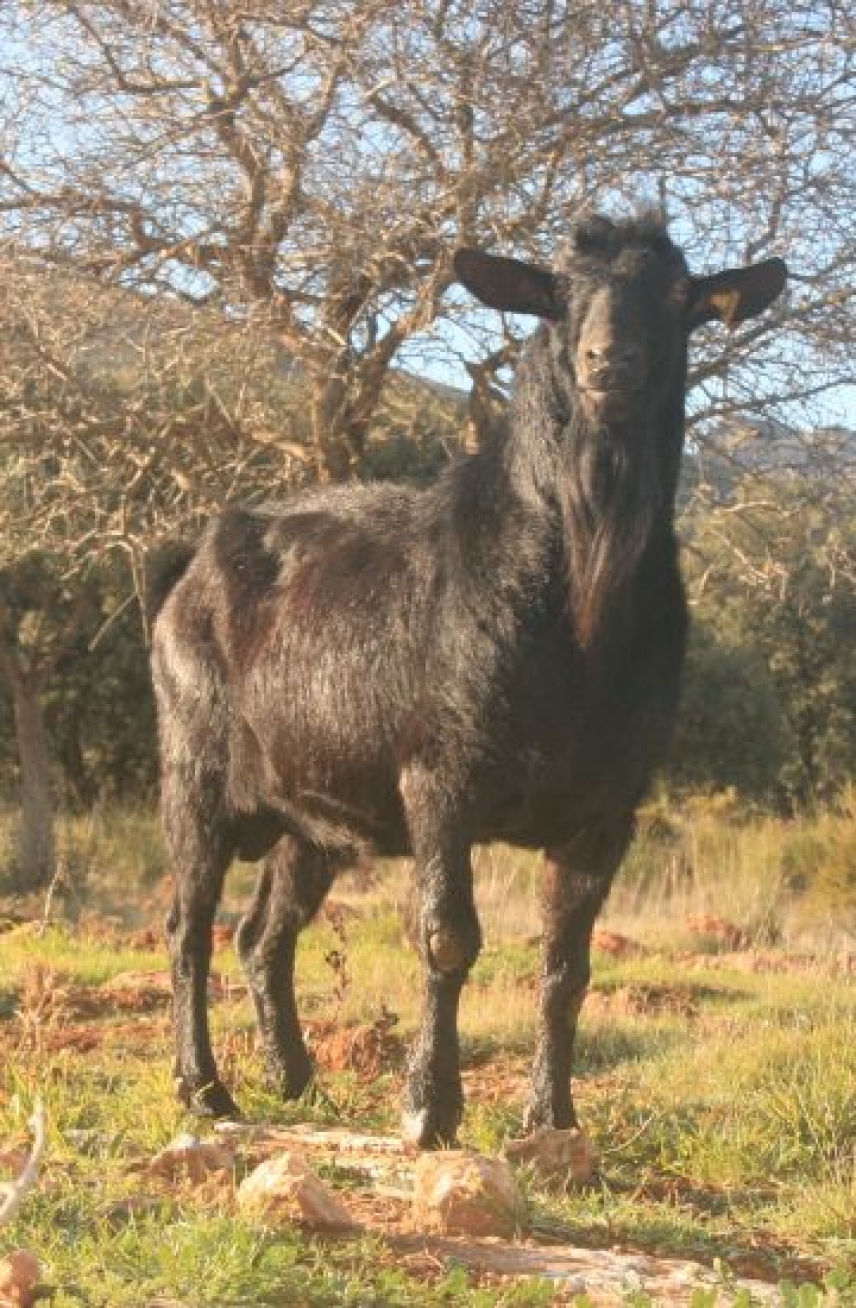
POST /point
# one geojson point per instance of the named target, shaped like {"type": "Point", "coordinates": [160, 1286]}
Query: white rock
{"type": "Point", "coordinates": [467, 1194]}
{"type": "Point", "coordinates": [565, 1156]}
{"type": "Point", "coordinates": [285, 1189]}
{"type": "Point", "coordinates": [187, 1157]}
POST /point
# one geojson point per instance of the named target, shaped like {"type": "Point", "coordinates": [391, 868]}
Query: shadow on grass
{"type": "Point", "coordinates": [603, 1049]}
{"type": "Point", "coordinates": [609, 1047]}
{"type": "Point", "coordinates": [670, 1225]}
{"type": "Point", "coordinates": [10, 1002]}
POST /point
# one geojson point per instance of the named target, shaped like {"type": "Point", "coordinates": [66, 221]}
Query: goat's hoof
{"type": "Point", "coordinates": [291, 1087]}
{"type": "Point", "coordinates": [211, 1100]}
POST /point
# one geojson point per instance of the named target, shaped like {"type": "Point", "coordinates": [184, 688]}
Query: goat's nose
{"type": "Point", "coordinates": [612, 360]}
{"type": "Point", "coordinates": [611, 355]}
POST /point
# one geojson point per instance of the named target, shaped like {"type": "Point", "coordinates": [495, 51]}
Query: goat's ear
{"type": "Point", "coordinates": [736, 294]}
{"type": "Point", "coordinates": [508, 284]}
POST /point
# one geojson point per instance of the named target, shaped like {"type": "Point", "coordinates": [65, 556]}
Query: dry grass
{"type": "Point", "coordinates": [716, 1078]}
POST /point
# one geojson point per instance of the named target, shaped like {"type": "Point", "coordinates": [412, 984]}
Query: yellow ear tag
{"type": "Point", "coordinates": [727, 305]}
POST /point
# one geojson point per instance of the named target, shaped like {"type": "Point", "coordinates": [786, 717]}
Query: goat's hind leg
{"type": "Point", "coordinates": [290, 890]}
{"type": "Point", "coordinates": [201, 854]}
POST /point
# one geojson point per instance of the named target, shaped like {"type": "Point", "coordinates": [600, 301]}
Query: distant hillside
{"type": "Point", "coordinates": [769, 449]}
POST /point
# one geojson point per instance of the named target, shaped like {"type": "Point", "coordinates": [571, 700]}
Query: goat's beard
{"type": "Point", "coordinates": [610, 499]}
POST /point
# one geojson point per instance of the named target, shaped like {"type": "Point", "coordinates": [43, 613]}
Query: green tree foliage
{"type": "Point", "coordinates": [770, 704]}
{"type": "Point", "coordinates": [93, 688]}
{"type": "Point", "coordinates": [99, 707]}
{"type": "Point", "coordinates": [731, 734]}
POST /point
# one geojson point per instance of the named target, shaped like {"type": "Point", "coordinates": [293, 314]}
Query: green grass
{"type": "Point", "coordinates": [722, 1099]}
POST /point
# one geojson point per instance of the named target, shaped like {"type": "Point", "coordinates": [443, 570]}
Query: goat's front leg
{"type": "Point", "coordinates": [577, 880]}
{"type": "Point", "coordinates": [449, 940]}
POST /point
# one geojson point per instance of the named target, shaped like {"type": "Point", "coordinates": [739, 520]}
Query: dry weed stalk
{"type": "Point", "coordinates": [44, 1006]}
{"type": "Point", "coordinates": [16, 1191]}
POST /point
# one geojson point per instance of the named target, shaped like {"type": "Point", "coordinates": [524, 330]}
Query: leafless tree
{"type": "Point", "coordinates": [122, 420]}
{"type": "Point", "coordinates": [309, 167]}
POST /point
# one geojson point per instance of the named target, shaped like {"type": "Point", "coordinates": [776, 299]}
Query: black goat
{"type": "Point", "coordinates": [497, 657]}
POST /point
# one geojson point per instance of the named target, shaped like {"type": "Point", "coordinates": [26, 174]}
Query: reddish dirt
{"type": "Point", "coordinates": [13, 1162]}
{"type": "Point", "coordinates": [497, 1082]}
{"type": "Point", "coordinates": [367, 1050]}
{"type": "Point", "coordinates": [645, 999]}
{"type": "Point", "coordinates": [137, 992]}
{"type": "Point", "coordinates": [615, 944]}
{"type": "Point", "coordinates": [717, 929]}
{"type": "Point", "coordinates": [771, 960]}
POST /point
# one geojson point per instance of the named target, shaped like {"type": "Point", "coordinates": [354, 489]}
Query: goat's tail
{"type": "Point", "coordinates": [166, 564]}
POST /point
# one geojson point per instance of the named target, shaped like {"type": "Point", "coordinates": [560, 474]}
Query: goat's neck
{"type": "Point", "coordinates": [608, 489]}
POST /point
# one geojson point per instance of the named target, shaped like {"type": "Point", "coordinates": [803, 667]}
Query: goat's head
{"type": "Point", "coordinates": [622, 303]}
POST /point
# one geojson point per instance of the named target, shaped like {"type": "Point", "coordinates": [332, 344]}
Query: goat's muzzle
{"type": "Point", "coordinates": [611, 377]}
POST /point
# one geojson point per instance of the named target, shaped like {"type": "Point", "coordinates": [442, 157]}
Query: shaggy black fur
{"type": "Point", "coordinates": [497, 657]}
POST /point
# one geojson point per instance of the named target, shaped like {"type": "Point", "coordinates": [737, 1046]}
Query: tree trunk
{"type": "Point", "coordinates": [36, 861]}
{"type": "Point", "coordinates": [345, 399]}
{"type": "Point", "coordinates": [338, 450]}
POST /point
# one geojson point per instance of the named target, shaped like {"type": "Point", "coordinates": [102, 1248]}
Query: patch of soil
{"type": "Point", "coordinates": [500, 1081]}
{"type": "Point", "coordinates": [12, 1162]}
{"type": "Point", "coordinates": [379, 1208]}
{"type": "Point", "coordinates": [366, 1050]}
{"type": "Point", "coordinates": [603, 1273]}
{"type": "Point", "coordinates": [615, 944]}
{"type": "Point", "coordinates": [88, 1036]}
{"type": "Point", "coordinates": [771, 960]}
{"type": "Point", "coordinates": [138, 992]}
{"type": "Point", "coordinates": [717, 930]}
{"type": "Point", "coordinates": [646, 999]}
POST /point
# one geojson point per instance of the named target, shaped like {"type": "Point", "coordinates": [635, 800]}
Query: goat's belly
{"type": "Point", "coordinates": [333, 798]}
{"type": "Point", "coordinates": [531, 825]}
{"type": "Point", "coordinates": [335, 821]}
